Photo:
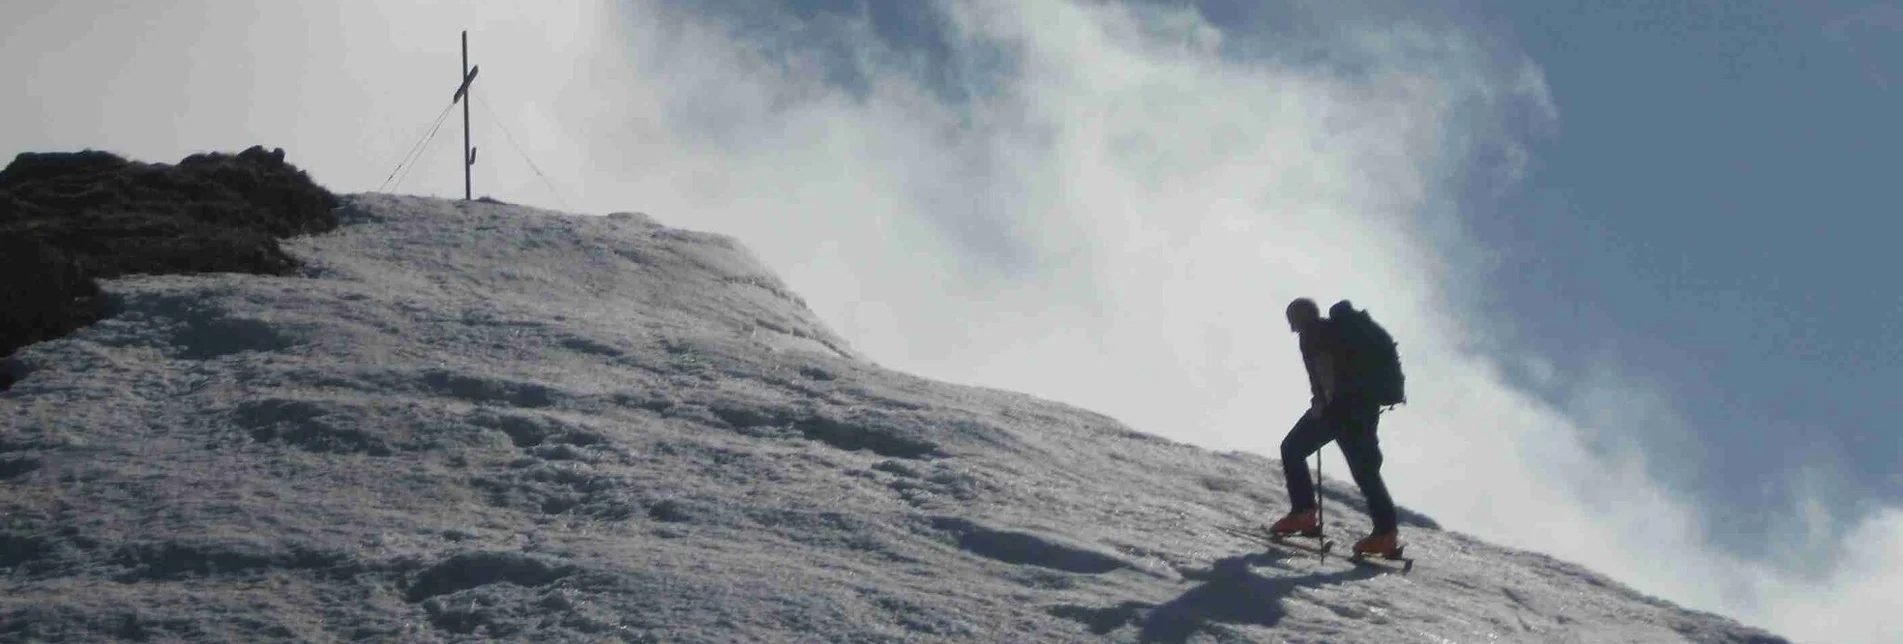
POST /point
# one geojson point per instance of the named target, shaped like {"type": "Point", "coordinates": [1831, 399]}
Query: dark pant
{"type": "Point", "coordinates": [1353, 428]}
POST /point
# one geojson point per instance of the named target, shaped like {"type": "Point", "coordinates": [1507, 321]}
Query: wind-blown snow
{"type": "Point", "coordinates": [478, 421]}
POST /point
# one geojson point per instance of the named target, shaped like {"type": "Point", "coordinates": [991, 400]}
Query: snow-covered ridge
{"type": "Point", "coordinates": [477, 421]}
{"type": "Point", "coordinates": [623, 269]}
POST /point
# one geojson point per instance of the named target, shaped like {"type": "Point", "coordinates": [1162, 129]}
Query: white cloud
{"type": "Point", "coordinates": [1115, 221]}
{"type": "Point", "coordinates": [1861, 602]}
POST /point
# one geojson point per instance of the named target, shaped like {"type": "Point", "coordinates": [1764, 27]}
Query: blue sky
{"type": "Point", "coordinates": [1634, 252]}
{"type": "Point", "coordinates": [1718, 210]}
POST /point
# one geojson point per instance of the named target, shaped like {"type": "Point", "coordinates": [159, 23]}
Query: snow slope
{"type": "Point", "coordinates": [474, 421]}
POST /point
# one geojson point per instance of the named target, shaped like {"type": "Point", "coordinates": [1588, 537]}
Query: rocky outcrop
{"type": "Point", "coordinates": [70, 218]}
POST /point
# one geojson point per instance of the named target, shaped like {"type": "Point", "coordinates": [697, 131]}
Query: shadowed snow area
{"type": "Point", "coordinates": [474, 421]}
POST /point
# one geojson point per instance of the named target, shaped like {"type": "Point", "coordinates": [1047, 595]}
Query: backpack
{"type": "Point", "coordinates": [1374, 358]}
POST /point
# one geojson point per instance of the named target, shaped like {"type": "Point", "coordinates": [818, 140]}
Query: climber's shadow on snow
{"type": "Point", "coordinates": [1230, 593]}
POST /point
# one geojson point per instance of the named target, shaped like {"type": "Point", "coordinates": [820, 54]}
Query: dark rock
{"type": "Point", "coordinates": [70, 218]}
{"type": "Point", "coordinates": [46, 293]}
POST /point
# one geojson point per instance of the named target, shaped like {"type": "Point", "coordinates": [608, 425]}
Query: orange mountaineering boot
{"type": "Point", "coordinates": [1384, 544]}
{"type": "Point", "coordinates": [1301, 522]}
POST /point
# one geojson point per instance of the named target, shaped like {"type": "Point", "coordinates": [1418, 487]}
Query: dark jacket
{"type": "Point", "coordinates": [1322, 353]}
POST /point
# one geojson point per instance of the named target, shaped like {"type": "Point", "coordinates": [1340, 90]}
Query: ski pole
{"type": "Point", "coordinates": [1321, 514]}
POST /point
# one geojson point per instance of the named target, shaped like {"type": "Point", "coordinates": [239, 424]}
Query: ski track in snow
{"type": "Point", "coordinates": [480, 421]}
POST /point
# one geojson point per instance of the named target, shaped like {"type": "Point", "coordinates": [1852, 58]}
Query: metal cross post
{"type": "Point", "coordinates": [469, 152]}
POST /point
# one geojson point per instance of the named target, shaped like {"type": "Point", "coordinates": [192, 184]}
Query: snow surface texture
{"type": "Point", "coordinates": [475, 421]}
